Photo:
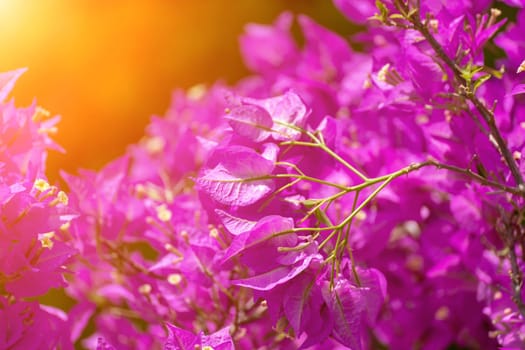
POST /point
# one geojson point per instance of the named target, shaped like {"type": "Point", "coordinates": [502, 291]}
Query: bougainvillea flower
{"type": "Point", "coordinates": [179, 339]}
{"type": "Point", "coordinates": [334, 200]}
{"type": "Point", "coordinates": [236, 176]}
{"type": "Point", "coordinates": [7, 82]}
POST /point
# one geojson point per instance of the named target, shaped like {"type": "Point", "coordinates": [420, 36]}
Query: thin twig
{"type": "Point", "coordinates": [485, 113]}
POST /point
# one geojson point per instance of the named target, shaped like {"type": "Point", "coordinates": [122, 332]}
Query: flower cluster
{"type": "Point", "coordinates": [34, 214]}
{"type": "Point", "coordinates": [336, 199]}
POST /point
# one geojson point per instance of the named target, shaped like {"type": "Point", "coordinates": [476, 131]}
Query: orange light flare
{"type": "Point", "coordinates": [107, 66]}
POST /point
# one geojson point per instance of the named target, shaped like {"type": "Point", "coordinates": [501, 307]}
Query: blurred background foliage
{"type": "Point", "coordinates": [107, 65]}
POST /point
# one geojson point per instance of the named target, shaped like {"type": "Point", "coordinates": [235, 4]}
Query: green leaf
{"type": "Point", "coordinates": [412, 12]}
{"type": "Point", "coordinates": [469, 71]}
{"type": "Point", "coordinates": [322, 217]}
{"type": "Point", "coordinates": [396, 16]}
{"type": "Point", "coordinates": [383, 11]}
{"type": "Point", "coordinates": [480, 81]}
{"type": "Point", "coordinates": [476, 69]}
{"type": "Point", "coordinates": [310, 202]}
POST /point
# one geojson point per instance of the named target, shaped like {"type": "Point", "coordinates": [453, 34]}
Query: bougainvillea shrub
{"type": "Point", "coordinates": [335, 199]}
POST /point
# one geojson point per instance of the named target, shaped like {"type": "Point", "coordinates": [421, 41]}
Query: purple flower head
{"type": "Point", "coordinates": [102, 344]}
{"type": "Point", "coordinates": [513, 43]}
{"type": "Point", "coordinates": [180, 339]}
{"type": "Point", "coordinates": [250, 121]}
{"type": "Point", "coordinates": [324, 55]}
{"type": "Point", "coordinates": [27, 325]}
{"type": "Point", "coordinates": [236, 175]}
{"type": "Point", "coordinates": [288, 113]}
{"type": "Point", "coordinates": [33, 244]}
{"type": "Point", "coordinates": [269, 49]}
{"type": "Point", "coordinates": [191, 122]}
{"type": "Point", "coordinates": [270, 237]}
{"type": "Point", "coordinates": [357, 11]}
{"type": "Point", "coordinates": [354, 304]}
{"type": "Point", "coordinates": [7, 82]}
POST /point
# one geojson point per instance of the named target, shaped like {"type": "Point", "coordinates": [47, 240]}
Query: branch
{"type": "Point", "coordinates": [509, 232]}
{"type": "Point", "coordinates": [486, 114]}
{"type": "Point", "coordinates": [495, 137]}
